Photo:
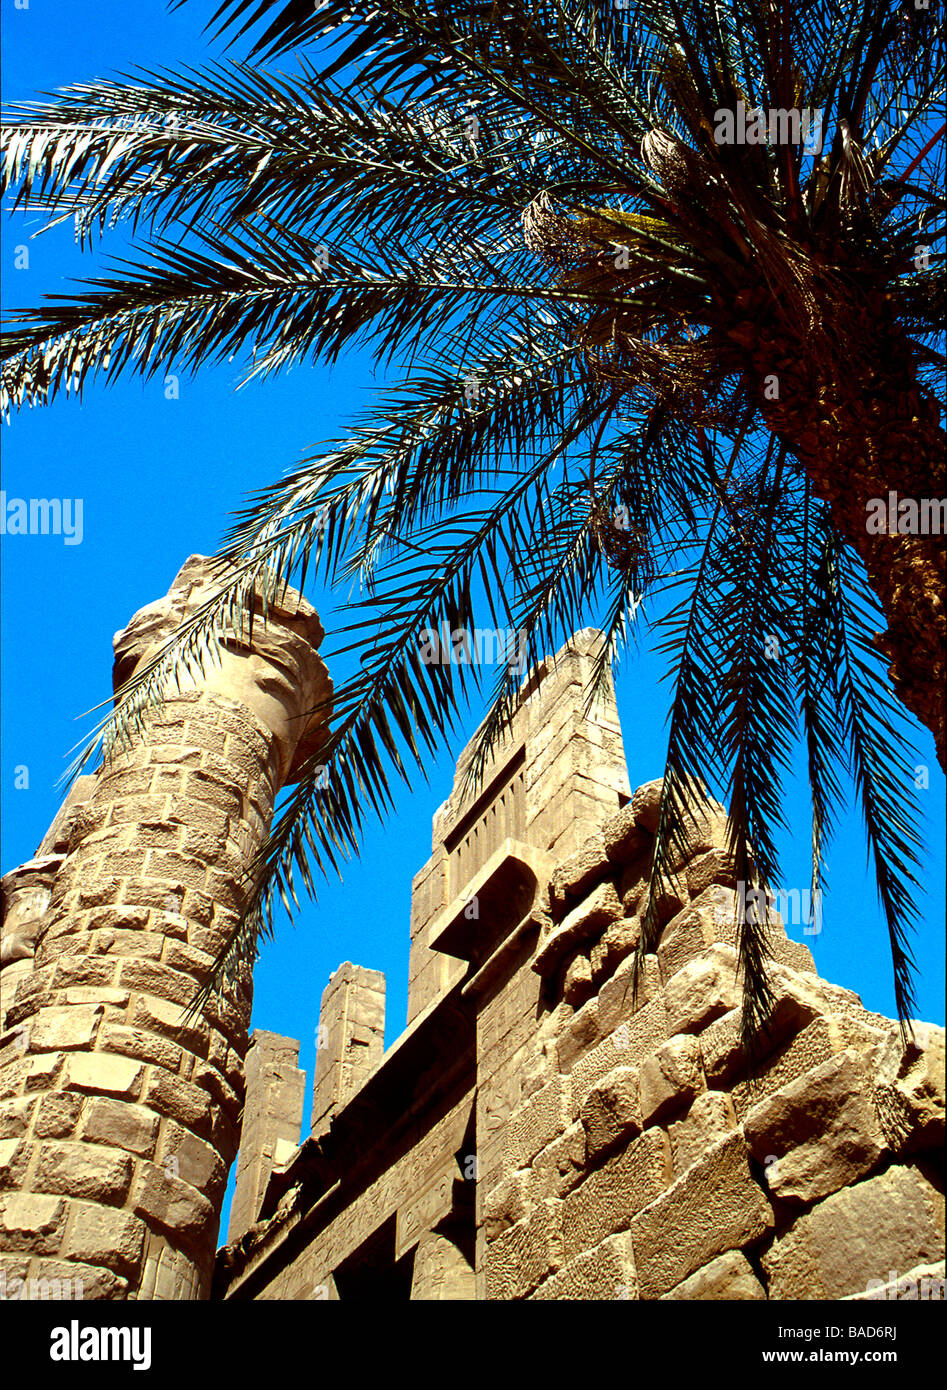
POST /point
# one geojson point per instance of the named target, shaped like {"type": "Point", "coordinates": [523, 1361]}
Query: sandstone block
{"type": "Point", "coordinates": [580, 872]}
{"type": "Point", "coordinates": [560, 1165]}
{"type": "Point", "coordinates": [728, 1277]}
{"type": "Point", "coordinates": [618, 1000]}
{"type": "Point", "coordinates": [577, 1035]}
{"type": "Point", "coordinates": [602, 907]}
{"type": "Point", "coordinates": [671, 1078]}
{"type": "Point", "coordinates": [605, 1272]}
{"type": "Point", "coordinates": [706, 988]}
{"type": "Point", "coordinates": [89, 1171]}
{"type": "Point", "coordinates": [822, 1130]}
{"type": "Point", "coordinates": [607, 1200]}
{"type": "Point", "coordinates": [851, 1240]}
{"type": "Point", "coordinates": [506, 1204]}
{"type": "Point", "coordinates": [628, 1045]}
{"type": "Point", "coordinates": [179, 1100]}
{"type": "Point", "coordinates": [146, 1047]}
{"type": "Point", "coordinates": [616, 944]}
{"type": "Point", "coordinates": [922, 1283]}
{"type": "Point", "coordinates": [193, 1161]}
{"type": "Point", "coordinates": [157, 980]}
{"type": "Point", "coordinates": [623, 837]}
{"type": "Point", "coordinates": [72, 1280]}
{"type": "Point", "coordinates": [646, 805]}
{"type": "Point", "coordinates": [910, 1090]}
{"type": "Point", "coordinates": [32, 1222]}
{"type": "Point", "coordinates": [611, 1112]}
{"type": "Point", "coordinates": [709, 1119]}
{"type": "Point", "coordinates": [15, 1115]}
{"type": "Point", "coordinates": [105, 1236]}
{"type": "Point", "coordinates": [14, 1160]}
{"type": "Point", "coordinates": [714, 1207]}
{"type": "Point", "coordinates": [521, 1257]}
{"type": "Point", "coordinates": [57, 1115]}
{"type": "Point", "coordinates": [538, 1121]}
{"type": "Point", "coordinates": [172, 1205]}
{"type": "Point", "coordinates": [64, 1029]}
{"type": "Point", "coordinates": [156, 1015]}
{"type": "Point", "coordinates": [128, 1127]}
{"type": "Point", "coordinates": [102, 1073]}
{"type": "Point", "coordinates": [577, 981]}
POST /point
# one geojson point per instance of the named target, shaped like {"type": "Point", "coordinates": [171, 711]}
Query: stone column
{"type": "Point", "coordinates": [121, 1118]}
{"type": "Point", "coordinates": [351, 1039]}
{"type": "Point", "coordinates": [272, 1118]}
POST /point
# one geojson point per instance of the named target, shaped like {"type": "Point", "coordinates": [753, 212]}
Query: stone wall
{"type": "Point", "coordinates": [541, 1131]}
{"type": "Point", "coordinates": [647, 1160]}
{"type": "Point", "coordinates": [119, 1116]}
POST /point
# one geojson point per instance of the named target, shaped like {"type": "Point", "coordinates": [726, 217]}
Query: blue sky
{"type": "Point", "coordinates": [158, 479]}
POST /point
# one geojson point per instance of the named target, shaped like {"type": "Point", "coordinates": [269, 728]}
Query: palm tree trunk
{"type": "Point", "coordinates": [863, 429]}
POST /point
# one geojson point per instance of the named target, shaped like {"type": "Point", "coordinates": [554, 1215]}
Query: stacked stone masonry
{"type": "Point", "coordinates": [544, 1130]}
{"type": "Point", "coordinates": [120, 1112]}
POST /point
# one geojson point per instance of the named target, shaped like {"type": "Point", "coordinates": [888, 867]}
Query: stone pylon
{"type": "Point", "coordinates": [119, 1120]}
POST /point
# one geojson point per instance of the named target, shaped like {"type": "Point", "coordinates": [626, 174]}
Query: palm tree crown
{"type": "Point", "coordinates": [661, 283]}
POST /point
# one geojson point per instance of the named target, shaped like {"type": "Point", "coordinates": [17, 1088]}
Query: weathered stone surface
{"type": "Point", "coordinates": [608, 1199]}
{"type": "Point", "coordinates": [72, 1281]}
{"type": "Point", "coordinates": [714, 1207]}
{"type": "Point", "coordinates": [179, 1100]}
{"type": "Point", "coordinates": [615, 945]}
{"type": "Point", "coordinates": [909, 1091]}
{"type": "Point", "coordinates": [709, 1119]}
{"type": "Point", "coordinates": [521, 1257]}
{"type": "Point", "coordinates": [623, 837]}
{"type": "Point", "coordinates": [536, 1123]}
{"type": "Point", "coordinates": [628, 1045]}
{"type": "Point", "coordinates": [576, 875]}
{"type": "Point", "coordinates": [560, 1165]}
{"type": "Point", "coordinates": [172, 1205]}
{"type": "Point", "coordinates": [34, 1222]}
{"type": "Point", "coordinates": [57, 1115]}
{"type": "Point", "coordinates": [104, 1236]}
{"type": "Point", "coordinates": [611, 1111]}
{"type": "Point", "coordinates": [129, 1127]}
{"type": "Point", "coordinates": [671, 1078]}
{"type": "Point", "coordinates": [646, 805]}
{"type": "Point", "coordinates": [15, 1114]}
{"type": "Point", "coordinates": [703, 990]}
{"type": "Point", "coordinates": [90, 1171]}
{"type": "Point", "coordinates": [605, 1272]}
{"type": "Point", "coordinates": [577, 981]}
{"type": "Point", "coordinates": [818, 1133]}
{"type": "Point", "coordinates": [600, 908]}
{"type": "Point", "coordinates": [506, 1204]}
{"type": "Point", "coordinates": [101, 1073]}
{"type": "Point", "coordinates": [729, 1276]}
{"type": "Point", "coordinates": [923, 1283]}
{"type": "Point", "coordinates": [853, 1238]}
{"type": "Point", "coordinates": [618, 999]}
{"type": "Point", "coordinates": [64, 1029]}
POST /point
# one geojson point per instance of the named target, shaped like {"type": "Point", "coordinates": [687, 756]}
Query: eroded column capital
{"type": "Point", "coordinates": [275, 670]}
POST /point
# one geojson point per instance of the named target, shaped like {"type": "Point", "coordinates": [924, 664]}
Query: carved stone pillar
{"type": "Point", "coordinates": [120, 1120]}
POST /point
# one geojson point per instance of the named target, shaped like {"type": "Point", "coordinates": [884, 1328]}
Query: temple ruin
{"type": "Point", "coordinates": [539, 1129]}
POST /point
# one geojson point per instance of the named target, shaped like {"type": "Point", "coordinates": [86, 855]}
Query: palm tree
{"type": "Point", "coordinates": [650, 344]}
